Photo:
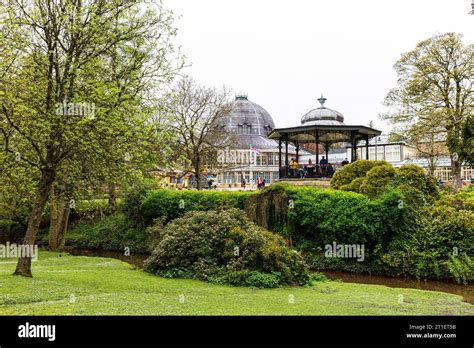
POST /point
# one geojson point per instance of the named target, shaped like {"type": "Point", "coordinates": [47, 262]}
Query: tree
{"type": "Point", "coordinates": [197, 114]}
{"type": "Point", "coordinates": [50, 55]}
{"type": "Point", "coordinates": [435, 80]}
{"type": "Point", "coordinates": [428, 138]}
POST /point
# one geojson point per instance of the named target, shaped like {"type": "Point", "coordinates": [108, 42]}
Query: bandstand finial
{"type": "Point", "coordinates": [322, 100]}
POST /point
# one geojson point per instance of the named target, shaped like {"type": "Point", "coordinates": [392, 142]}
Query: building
{"type": "Point", "coordinates": [400, 153]}
{"type": "Point", "coordinates": [254, 154]}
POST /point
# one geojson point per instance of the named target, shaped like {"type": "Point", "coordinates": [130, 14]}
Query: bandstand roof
{"type": "Point", "coordinates": [328, 124]}
{"type": "Point", "coordinates": [327, 133]}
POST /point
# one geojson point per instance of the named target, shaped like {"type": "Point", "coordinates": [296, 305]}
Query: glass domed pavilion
{"type": "Point", "coordinates": [254, 154]}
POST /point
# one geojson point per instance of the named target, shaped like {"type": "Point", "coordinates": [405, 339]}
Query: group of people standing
{"type": "Point", "coordinates": [309, 169]}
{"type": "Point", "coordinates": [260, 183]}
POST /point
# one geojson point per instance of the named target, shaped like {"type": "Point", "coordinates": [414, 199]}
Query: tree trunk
{"type": "Point", "coordinates": [197, 171]}
{"type": "Point", "coordinates": [431, 165]}
{"type": "Point", "coordinates": [63, 227]}
{"type": "Point", "coordinates": [53, 220]}
{"type": "Point", "coordinates": [456, 172]}
{"type": "Point", "coordinates": [23, 267]}
{"type": "Point", "coordinates": [112, 197]}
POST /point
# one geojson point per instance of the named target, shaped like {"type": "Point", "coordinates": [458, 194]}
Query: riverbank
{"type": "Point", "coordinates": [466, 291]}
{"type": "Point", "coordinates": [80, 285]}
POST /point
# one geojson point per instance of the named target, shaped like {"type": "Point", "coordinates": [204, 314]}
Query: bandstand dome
{"type": "Point", "coordinates": [322, 116]}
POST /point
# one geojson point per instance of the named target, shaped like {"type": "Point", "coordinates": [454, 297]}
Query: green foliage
{"type": "Point", "coordinates": [354, 170]}
{"type": "Point", "coordinates": [249, 278]}
{"type": "Point", "coordinates": [354, 186]}
{"type": "Point", "coordinates": [441, 247]}
{"type": "Point", "coordinates": [462, 200]}
{"type": "Point", "coordinates": [172, 204]}
{"type": "Point", "coordinates": [414, 176]}
{"type": "Point", "coordinates": [325, 216]}
{"type": "Point", "coordinates": [461, 268]}
{"type": "Point", "coordinates": [376, 180]}
{"type": "Point", "coordinates": [11, 231]}
{"type": "Point", "coordinates": [372, 178]}
{"type": "Point", "coordinates": [211, 245]}
{"type": "Point", "coordinates": [114, 232]}
{"type": "Point", "coordinates": [133, 199]}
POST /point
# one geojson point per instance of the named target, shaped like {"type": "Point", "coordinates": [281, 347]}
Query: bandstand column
{"type": "Point", "coordinates": [367, 147]}
{"type": "Point", "coordinates": [317, 147]}
{"type": "Point", "coordinates": [326, 147]}
{"type": "Point", "coordinates": [297, 152]}
{"type": "Point", "coordinates": [279, 158]}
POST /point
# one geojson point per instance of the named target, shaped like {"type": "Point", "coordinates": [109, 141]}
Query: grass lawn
{"type": "Point", "coordinates": [77, 285]}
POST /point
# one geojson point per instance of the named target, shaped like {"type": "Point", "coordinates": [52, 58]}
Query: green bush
{"type": "Point", "coordinates": [354, 170]}
{"type": "Point", "coordinates": [11, 231]}
{"type": "Point", "coordinates": [414, 176]}
{"type": "Point", "coordinates": [114, 232]}
{"type": "Point", "coordinates": [440, 247]}
{"type": "Point", "coordinates": [354, 186]}
{"type": "Point", "coordinates": [223, 246]}
{"type": "Point", "coordinates": [325, 216]}
{"type": "Point", "coordinates": [376, 180]}
{"type": "Point", "coordinates": [172, 204]}
{"type": "Point", "coordinates": [372, 178]}
{"type": "Point", "coordinates": [249, 278]}
{"type": "Point", "coordinates": [461, 200]}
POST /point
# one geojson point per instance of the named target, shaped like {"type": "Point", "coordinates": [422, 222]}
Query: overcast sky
{"type": "Point", "coordinates": [284, 54]}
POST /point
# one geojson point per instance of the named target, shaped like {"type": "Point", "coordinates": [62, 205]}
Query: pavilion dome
{"type": "Point", "coordinates": [251, 116]}
{"type": "Point", "coordinates": [322, 116]}
{"type": "Point", "coordinates": [251, 122]}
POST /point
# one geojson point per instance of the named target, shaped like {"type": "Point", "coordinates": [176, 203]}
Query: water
{"type": "Point", "coordinates": [467, 292]}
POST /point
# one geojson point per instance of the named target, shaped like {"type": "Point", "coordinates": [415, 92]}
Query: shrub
{"type": "Point", "coordinates": [354, 170]}
{"type": "Point", "coordinates": [439, 247]}
{"type": "Point", "coordinates": [462, 200]}
{"type": "Point", "coordinates": [354, 186]}
{"type": "Point", "coordinates": [414, 176]}
{"type": "Point", "coordinates": [172, 204]}
{"type": "Point", "coordinates": [223, 246]}
{"type": "Point", "coordinates": [11, 231]}
{"type": "Point", "coordinates": [376, 180]}
{"type": "Point", "coordinates": [114, 232]}
{"type": "Point", "coordinates": [326, 216]}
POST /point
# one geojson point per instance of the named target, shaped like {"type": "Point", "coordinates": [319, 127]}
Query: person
{"type": "Point", "coordinates": [209, 183]}
{"type": "Point", "coordinates": [243, 183]}
{"type": "Point", "coordinates": [259, 183]}
{"type": "Point", "coordinates": [343, 163]}
{"type": "Point", "coordinates": [293, 167]}
{"type": "Point", "coordinates": [439, 183]}
{"type": "Point", "coordinates": [263, 183]}
{"type": "Point", "coordinates": [309, 168]}
{"type": "Point", "coordinates": [323, 163]}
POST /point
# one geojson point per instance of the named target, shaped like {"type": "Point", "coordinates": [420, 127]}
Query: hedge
{"type": "Point", "coordinates": [171, 204]}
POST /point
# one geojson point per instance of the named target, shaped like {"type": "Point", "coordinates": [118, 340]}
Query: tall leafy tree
{"type": "Point", "coordinates": [60, 52]}
{"type": "Point", "coordinates": [435, 83]}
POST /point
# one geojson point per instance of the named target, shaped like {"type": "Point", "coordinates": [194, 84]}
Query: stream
{"type": "Point", "coordinates": [467, 292]}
